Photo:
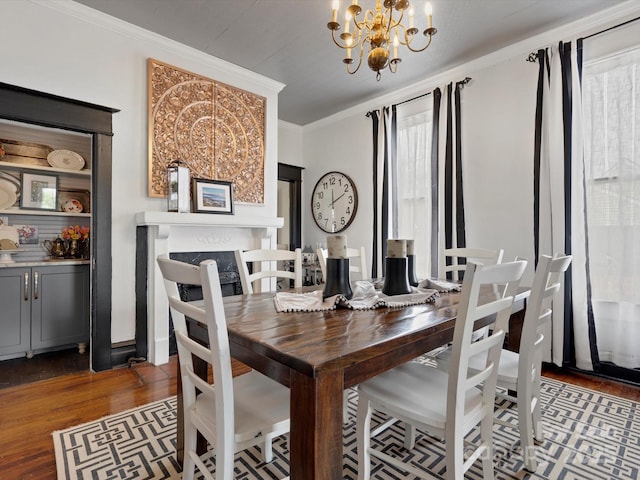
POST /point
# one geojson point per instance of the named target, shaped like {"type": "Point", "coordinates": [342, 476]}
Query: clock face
{"type": "Point", "coordinates": [334, 202]}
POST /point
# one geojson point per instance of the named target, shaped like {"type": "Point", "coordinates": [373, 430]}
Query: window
{"type": "Point", "coordinates": [414, 131]}
{"type": "Point", "coordinates": [611, 100]}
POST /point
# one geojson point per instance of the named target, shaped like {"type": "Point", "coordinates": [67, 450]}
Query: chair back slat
{"type": "Point", "coordinates": [453, 261]}
{"type": "Point", "coordinates": [265, 265]}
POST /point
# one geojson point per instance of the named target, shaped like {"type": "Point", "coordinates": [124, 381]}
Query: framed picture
{"type": "Point", "coordinates": [39, 192]}
{"type": "Point", "coordinates": [212, 196]}
{"type": "Point", "coordinates": [28, 234]}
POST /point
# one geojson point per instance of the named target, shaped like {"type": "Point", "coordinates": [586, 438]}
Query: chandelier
{"type": "Point", "coordinates": [375, 28]}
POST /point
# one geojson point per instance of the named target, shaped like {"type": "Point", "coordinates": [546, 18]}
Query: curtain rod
{"type": "Point", "coordinates": [460, 82]}
{"type": "Point", "coordinates": [611, 28]}
{"type": "Point", "coordinates": [533, 56]}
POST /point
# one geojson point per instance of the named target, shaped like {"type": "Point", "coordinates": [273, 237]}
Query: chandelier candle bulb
{"type": "Point", "coordinates": [396, 42]}
{"type": "Point", "coordinates": [411, 13]}
{"type": "Point", "coordinates": [347, 21]}
{"type": "Point", "coordinates": [334, 15]}
{"type": "Point", "coordinates": [429, 11]}
{"type": "Point", "coordinates": [337, 246]}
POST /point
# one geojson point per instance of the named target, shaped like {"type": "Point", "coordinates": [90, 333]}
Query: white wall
{"type": "Point", "coordinates": [66, 49]}
{"type": "Point", "coordinates": [498, 125]}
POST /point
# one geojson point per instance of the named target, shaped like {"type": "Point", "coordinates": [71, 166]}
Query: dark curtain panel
{"type": "Point", "coordinates": [543, 76]}
{"type": "Point", "coordinates": [375, 124]}
{"type": "Point", "coordinates": [461, 238]}
{"type": "Point", "coordinates": [454, 235]}
{"type": "Point", "coordinates": [435, 230]}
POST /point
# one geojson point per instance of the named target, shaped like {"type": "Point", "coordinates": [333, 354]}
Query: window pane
{"type": "Point", "coordinates": [414, 185]}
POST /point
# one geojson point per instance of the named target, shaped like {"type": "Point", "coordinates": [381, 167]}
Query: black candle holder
{"type": "Point", "coordinates": [396, 281]}
{"type": "Point", "coordinates": [337, 281]}
{"type": "Point", "coordinates": [411, 270]}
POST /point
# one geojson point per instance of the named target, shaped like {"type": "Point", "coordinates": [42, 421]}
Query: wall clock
{"type": "Point", "coordinates": [334, 202]}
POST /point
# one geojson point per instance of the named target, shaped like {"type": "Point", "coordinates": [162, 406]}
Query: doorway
{"type": "Point", "coordinates": [290, 206]}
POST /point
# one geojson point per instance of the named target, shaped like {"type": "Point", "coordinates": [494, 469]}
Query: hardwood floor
{"type": "Point", "coordinates": [29, 413]}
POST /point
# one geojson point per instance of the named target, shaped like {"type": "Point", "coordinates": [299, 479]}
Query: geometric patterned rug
{"type": "Point", "coordinates": [588, 435]}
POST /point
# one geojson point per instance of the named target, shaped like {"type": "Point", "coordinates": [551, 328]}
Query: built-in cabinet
{"type": "Point", "coordinates": [85, 128]}
{"type": "Point", "coordinates": [44, 308]}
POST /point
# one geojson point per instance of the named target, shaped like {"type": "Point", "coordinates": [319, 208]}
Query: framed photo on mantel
{"type": "Point", "coordinates": [212, 196]}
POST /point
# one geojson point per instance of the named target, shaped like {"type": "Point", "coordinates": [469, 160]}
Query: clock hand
{"type": "Point", "coordinates": [338, 198]}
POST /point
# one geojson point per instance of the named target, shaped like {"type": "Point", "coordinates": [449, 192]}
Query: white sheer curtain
{"type": "Point", "coordinates": [414, 131]}
{"type": "Point", "coordinates": [611, 104]}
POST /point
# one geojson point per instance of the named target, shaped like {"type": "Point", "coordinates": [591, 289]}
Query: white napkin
{"type": "Point", "coordinates": [440, 285]}
{"type": "Point", "coordinates": [365, 297]}
{"type": "Point", "coordinates": [304, 302]}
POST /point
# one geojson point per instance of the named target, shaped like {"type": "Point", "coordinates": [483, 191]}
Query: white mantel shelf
{"type": "Point", "coordinates": [206, 220]}
{"type": "Point", "coordinates": [194, 232]}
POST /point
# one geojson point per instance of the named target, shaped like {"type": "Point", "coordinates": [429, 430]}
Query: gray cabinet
{"type": "Point", "coordinates": [43, 308]}
{"type": "Point", "coordinates": [15, 315]}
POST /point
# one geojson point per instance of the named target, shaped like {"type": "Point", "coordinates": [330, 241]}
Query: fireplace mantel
{"type": "Point", "coordinates": [206, 220]}
{"type": "Point", "coordinates": [169, 232]}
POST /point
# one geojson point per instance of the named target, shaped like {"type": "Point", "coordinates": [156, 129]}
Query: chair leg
{"type": "Point", "coordinates": [525, 426]}
{"type": "Point", "coordinates": [486, 428]}
{"type": "Point", "coordinates": [190, 445]}
{"type": "Point", "coordinates": [267, 448]}
{"type": "Point", "coordinates": [363, 436]}
{"type": "Point", "coordinates": [409, 436]}
{"type": "Point", "coordinates": [538, 432]}
{"type": "Point", "coordinates": [454, 452]}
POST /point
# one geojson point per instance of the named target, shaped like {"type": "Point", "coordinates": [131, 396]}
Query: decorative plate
{"type": "Point", "coordinates": [7, 196]}
{"type": "Point", "coordinates": [65, 159]}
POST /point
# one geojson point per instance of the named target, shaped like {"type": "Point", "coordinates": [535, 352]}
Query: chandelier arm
{"type": "Point", "coordinates": [357, 67]}
{"type": "Point", "coordinates": [365, 23]}
{"type": "Point", "coordinates": [399, 22]}
{"type": "Point", "coordinates": [344, 46]}
{"type": "Point", "coordinates": [419, 49]}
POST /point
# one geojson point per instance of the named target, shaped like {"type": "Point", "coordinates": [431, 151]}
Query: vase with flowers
{"type": "Point", "coordinates": [77, 239]}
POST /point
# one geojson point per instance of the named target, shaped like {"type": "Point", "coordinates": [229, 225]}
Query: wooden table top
{"type": "Point", "coordinates": [310, 342]}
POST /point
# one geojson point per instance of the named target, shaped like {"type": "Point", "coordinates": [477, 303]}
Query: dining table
{"type": "Point", "coordinates": [317, 354]}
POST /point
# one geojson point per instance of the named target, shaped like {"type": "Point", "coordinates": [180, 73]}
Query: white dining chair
{"type": "Point", "coordinates": [449, 404]}
{"type": "Point", "coordinates": [359, 267]}
{"type": "Point", "coordinates": [453, 260]}
{"type": "Point", "coordinates": [520, 372]}
{"type": "Point", "coordinates": [232, 413]}
{"type": "Point", "coordinates": [268, 263]}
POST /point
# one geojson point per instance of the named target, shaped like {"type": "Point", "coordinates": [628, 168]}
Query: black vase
{"type": "Point", "coordinates": [337, 281]}
{"type": "Point", "coordinates": [396, 281]}
{"type": "Point", "coordinates": [411, 270]}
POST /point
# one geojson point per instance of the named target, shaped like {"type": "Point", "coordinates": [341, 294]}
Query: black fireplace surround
{"type": "Point", "coordinates": [229, 283]}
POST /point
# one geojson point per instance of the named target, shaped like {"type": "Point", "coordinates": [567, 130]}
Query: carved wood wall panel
{"type": "Point", "coordinates": [217, 130]}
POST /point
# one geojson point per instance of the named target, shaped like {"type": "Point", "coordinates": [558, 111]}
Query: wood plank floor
{"type": "Point", "coordinates": [29, 413]}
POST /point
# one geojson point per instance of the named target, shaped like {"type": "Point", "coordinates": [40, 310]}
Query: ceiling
{"type": "Point", "coordinates": [288, 41]}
